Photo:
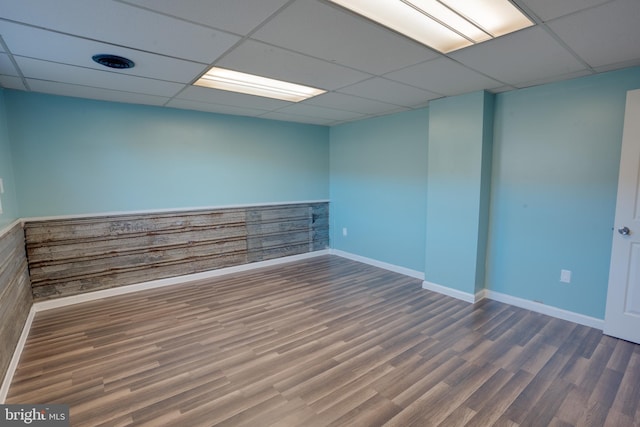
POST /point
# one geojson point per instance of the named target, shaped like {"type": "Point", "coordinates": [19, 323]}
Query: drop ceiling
{"type": "Point", "coordinates": [46, 46]}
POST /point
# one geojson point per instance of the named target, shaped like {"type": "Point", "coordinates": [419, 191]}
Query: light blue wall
{"type": "Point", "coordinates": [9, 203]}
{"type": "Point", "coordinates": [378, 183]}
{"type": "Point", "coordinates": [556, 151]}
{"type": "Point", "coordinates": [75, 156]}
{"type": "Point", "coordinates": [458, 182]}
{"type": "Point", "coordinates": [555, 170]}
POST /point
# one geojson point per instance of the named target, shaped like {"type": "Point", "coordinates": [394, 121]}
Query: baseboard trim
{"type": "Point", "coordinates": [160, 283]}
{"type": "Point", "coordinates": [537, 307]}
{"type": "Point", "coordinates": [391, 267]}
{"type": "Point", "coordinates": [17, 352]}
{"type": "Point", "coordinates": [454, 293]}
{"type": "Point", "coordinates": [556, 312]}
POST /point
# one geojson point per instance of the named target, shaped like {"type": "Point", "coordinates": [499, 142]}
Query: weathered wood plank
{"type": "Point", "coordinates": [277, 213]}
{"type": "Point", "coordinates": [143, 224]}
{"type": "Point", "coordinates": [122, 277]}
{"type": "Point", "coordinates": [14, 308]}
{"type": "Point", "coordinates": [70, 256]}
{"type": "Point", "coordinates": [138, 259]}
{"type": "Point", "coordinates": [117, 244]}
{"type": "Point", "coordinates": [10, 267]}
{"type": "Point", "coordinates": [15, 293]}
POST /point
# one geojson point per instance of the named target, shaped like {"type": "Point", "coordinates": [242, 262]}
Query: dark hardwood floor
{"type": "Point", "coordinates": [325, 341]}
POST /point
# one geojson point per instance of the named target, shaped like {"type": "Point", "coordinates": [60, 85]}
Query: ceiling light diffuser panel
{"type": "Point", "coordinates": [235, 81]}
{"type": "Point", "coordinates": [444, 25]}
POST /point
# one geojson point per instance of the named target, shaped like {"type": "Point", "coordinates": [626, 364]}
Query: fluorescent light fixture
{"type": "Point", "coordinates": [235, 81]}
{"type": "Point", "coordinates": [444, 25]}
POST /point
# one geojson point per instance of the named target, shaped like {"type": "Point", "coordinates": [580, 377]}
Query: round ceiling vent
{"type": "Point", "coordinates": [113, 61]}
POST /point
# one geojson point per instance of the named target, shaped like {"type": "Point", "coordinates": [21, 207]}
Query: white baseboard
{"type": "Point", "coordinates": [153, 284]}
{"type": "Point", "coordinates": [559, 313]}
{"type": "Point", "coordinates": [17, 352]}
{"type": "Point", "coordinates": [391, 267]}
{"type": "Point", "coordinates": [464, 296]}
{"type": "Point", "coordinates": [548, 310]}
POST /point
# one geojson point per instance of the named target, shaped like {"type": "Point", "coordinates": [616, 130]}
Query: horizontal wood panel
{"type": "Point", "coordinates": [130, 276]}
{"type": "Point", "coordinates": [15, 293]}
{"type": "Point", "coordinates": [86, 266]}
{"type": "Point", "coordinates": [71, 256]}
{"type": "Point", "coordinates": [56, 231]}
{"type": "Point", "coordinates": [121, 244]}
{"type": "Point", "coordinates": [277, 213]}
{"type": "Point", "coordinates": [12, 258]}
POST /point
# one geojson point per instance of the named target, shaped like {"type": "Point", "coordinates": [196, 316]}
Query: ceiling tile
{"type": "Point", "coordinates": [268, 61]}
{"type": "Point", "coordinates": [121, 24]}
{"type": "Point", "coordinates": [503, 89]}
{"type": "Point", "coordinates": [221, 97]}
{"type": "Point", "coordinates": [573, 75]}
{"type": "Point", "coordinates": [551, 9]}
{"type": "Point", "coordinates": [325, 113]}
{"type": "Point", "coordinates": [65, 89]}
{"type": "Point", "coordinates": [368, 69]}
{"type": "Point", "coordinates": [12, 82]}
{"type": "Point", "coordinates": [532, 54]}
{"type": "Point", "coordinates": [6, 66]}
{"type": "Point", "coordinates": [51, 71]}
{"type": "Point", "coordinates": [603, 35]}
{"type": "Point", "coordinates": [340, 101]}
{"type": "Point", "coordinates": [618, 66]}
{"type": "Point", "coordinates": [443, 76]}
{"type": "Point", "coordinates": [186, 104]}
{"type": "Point", "coordinates": [384, 90]}
{"type": "Point", "coordinates": [51, 46]}
{"type": "Point", "coordinates": [330, 33]}
{"type": "Point", "coordinates": [239, 17]}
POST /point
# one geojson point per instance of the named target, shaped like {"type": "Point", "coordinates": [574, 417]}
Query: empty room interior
{"type": "Point", "coordinates": [435, 225]}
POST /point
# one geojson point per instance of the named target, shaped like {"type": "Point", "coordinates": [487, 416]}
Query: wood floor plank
{"type": "Point", "coordinates": [322, 342]}
{"type": "Point", "coordinates": [491, 411]}
{"type": "Point", "coordinates": [627, 401]}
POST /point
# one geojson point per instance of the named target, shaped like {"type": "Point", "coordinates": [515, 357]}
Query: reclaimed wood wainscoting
{"type": "Point", "coordinates": [15, 293]}
{"type": "Point", "coordinates": [73, 256]}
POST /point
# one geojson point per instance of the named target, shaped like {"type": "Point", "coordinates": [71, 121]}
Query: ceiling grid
{"type": "Point", "coordinates": [366, 69]}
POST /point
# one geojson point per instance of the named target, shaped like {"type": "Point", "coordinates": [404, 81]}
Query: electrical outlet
{"type": "Point", "coordinates": [344, 231]}
{"type": "Point", "coordinates": [565, 276]}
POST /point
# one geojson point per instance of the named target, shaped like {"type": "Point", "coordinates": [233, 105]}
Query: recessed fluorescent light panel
{"type": "Point", "coordinates": [235, 81]}
{"type": "Point", "coordinates": [444, 25]}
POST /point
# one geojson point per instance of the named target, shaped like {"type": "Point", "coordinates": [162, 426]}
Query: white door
{"type": "Point", "coordinates": [622, 316]}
